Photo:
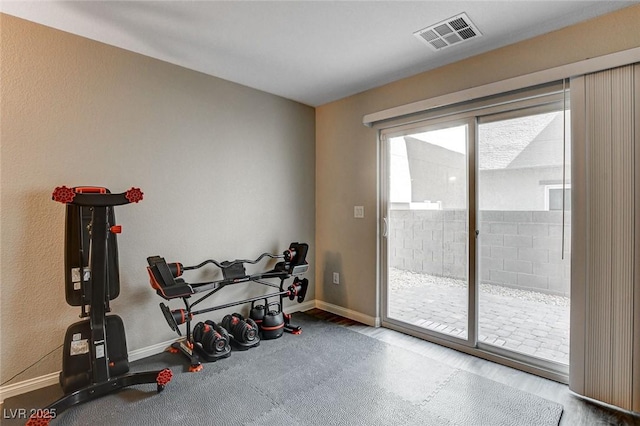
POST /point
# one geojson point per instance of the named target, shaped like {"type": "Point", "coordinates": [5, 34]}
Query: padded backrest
{"type": "Point", "coordinates": [77, 247]}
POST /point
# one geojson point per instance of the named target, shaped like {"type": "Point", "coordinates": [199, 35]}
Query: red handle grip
{"type": "Point", "coordinates": [95, 196]}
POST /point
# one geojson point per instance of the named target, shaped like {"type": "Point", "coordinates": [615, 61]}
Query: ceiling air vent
{"type": "Point", "coordinates": [448, 32]}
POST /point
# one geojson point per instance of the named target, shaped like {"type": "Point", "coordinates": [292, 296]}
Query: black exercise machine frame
{"type": "Point", "coordinates": [101, 202]}
{"type": "Point", "coordinates": [164, 278]}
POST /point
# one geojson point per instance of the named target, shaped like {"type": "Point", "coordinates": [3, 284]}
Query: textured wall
{"type": "Point", "coordinates": [227, 172]}
{"type": "Point", "coordinates": [347, 151]}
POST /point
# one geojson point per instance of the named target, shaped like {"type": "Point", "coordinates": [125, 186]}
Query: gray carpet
{"type": "Point", "coordinates": [328, 375]}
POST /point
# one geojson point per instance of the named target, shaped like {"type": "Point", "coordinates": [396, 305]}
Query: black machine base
{"type": "Point", "coordinates": [89, 393]}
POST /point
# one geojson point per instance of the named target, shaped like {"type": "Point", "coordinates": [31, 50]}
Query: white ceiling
{"type": "Point", "coordinates": [313, 52]}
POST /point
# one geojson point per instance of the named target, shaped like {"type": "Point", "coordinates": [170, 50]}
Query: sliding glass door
{"type": "Point", "coordinates": [428, 233]}
{"type": "Point", "coordinates": [524, 233]}
{"type": "Point", "coordinates": [476, 230]}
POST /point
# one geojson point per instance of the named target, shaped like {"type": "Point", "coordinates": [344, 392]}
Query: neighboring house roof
{"type": "Point", "coordinates": [502, 142]}
{"type": "Point", "coordinates": [425, 151]}
{"type": "Point", "coordinates": [545, 149]}
{"type": "Point", "coordinates": [524, 142]}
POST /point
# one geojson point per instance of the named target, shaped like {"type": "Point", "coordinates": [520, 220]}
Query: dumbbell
{"type": "Point", "coordinates": [213, 338]}
{"type": "Point", "coordinates": [244, 331]}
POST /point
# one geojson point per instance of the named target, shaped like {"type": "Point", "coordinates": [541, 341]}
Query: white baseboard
{"type": "Point", "coordinates": [348, 313]}
{"type": "Point", "coordinates": [40, 382]}
{"type": "Point", "coordinates": [158, 348]}
{"type": "Point", "coordinates": [25, 386]}
{"type": "Point", "coordinates": [301, 307]}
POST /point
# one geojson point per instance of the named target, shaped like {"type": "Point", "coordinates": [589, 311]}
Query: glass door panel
{"type": "Point", "coordinates": [524, 239]}
{"type": "Point", "coordinates": [427, 229]}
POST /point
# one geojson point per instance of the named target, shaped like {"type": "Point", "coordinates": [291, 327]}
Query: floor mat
{"type": "Point", "coordinates": [328, 375]}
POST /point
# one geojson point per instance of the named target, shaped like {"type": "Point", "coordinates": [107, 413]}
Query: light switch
{"type": "Point", "coordinates": [358, 212]}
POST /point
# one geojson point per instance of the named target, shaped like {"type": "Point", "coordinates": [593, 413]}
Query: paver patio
{"type": "Point", "coordinates": [523, 321]}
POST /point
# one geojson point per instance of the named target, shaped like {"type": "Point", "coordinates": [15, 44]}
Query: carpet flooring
{"type": "Point", "coordinates": [328, 375]}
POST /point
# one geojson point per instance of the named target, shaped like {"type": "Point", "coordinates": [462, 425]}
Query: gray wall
{"type": "Point", "coordinates": [227, 172]}
{"type": "Point", "coordinates": [520, 249]}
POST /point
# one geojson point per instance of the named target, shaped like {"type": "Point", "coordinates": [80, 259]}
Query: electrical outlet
{"type": "Point", "coordinates": [358, 212]}
{"type": "Point", "coordinates": [336, 278]}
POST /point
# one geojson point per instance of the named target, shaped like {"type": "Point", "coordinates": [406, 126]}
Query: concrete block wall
{"type": "Point", "coordinates": [521, 249]}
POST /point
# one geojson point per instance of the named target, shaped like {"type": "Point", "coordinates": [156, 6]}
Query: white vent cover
{"type": "Point", "coordinates": [448, 32]}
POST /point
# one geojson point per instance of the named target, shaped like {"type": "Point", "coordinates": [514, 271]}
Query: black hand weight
{"type": "Point", "coordinates": [213, 338]}
{"type": "Point", "coordinates": [257, 312]}
{"type": "Point", "coordinates": [244, 331]}
{"type": "Point", "coordinates": [272, 325]}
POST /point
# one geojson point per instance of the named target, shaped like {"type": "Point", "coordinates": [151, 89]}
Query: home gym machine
{"type": "Point", "coordinates": [95, 357]}
{"type": "Point", "coordinates": [210, 341]}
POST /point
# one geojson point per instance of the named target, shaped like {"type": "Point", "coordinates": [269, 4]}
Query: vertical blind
{"type": "Point", "coordinates": [605, 290]}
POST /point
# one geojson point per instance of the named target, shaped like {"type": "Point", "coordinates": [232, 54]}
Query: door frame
{"type": "Point", "coordinates": [472, 314]}
{"type": "Point", "coordinates": [544, 368]}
